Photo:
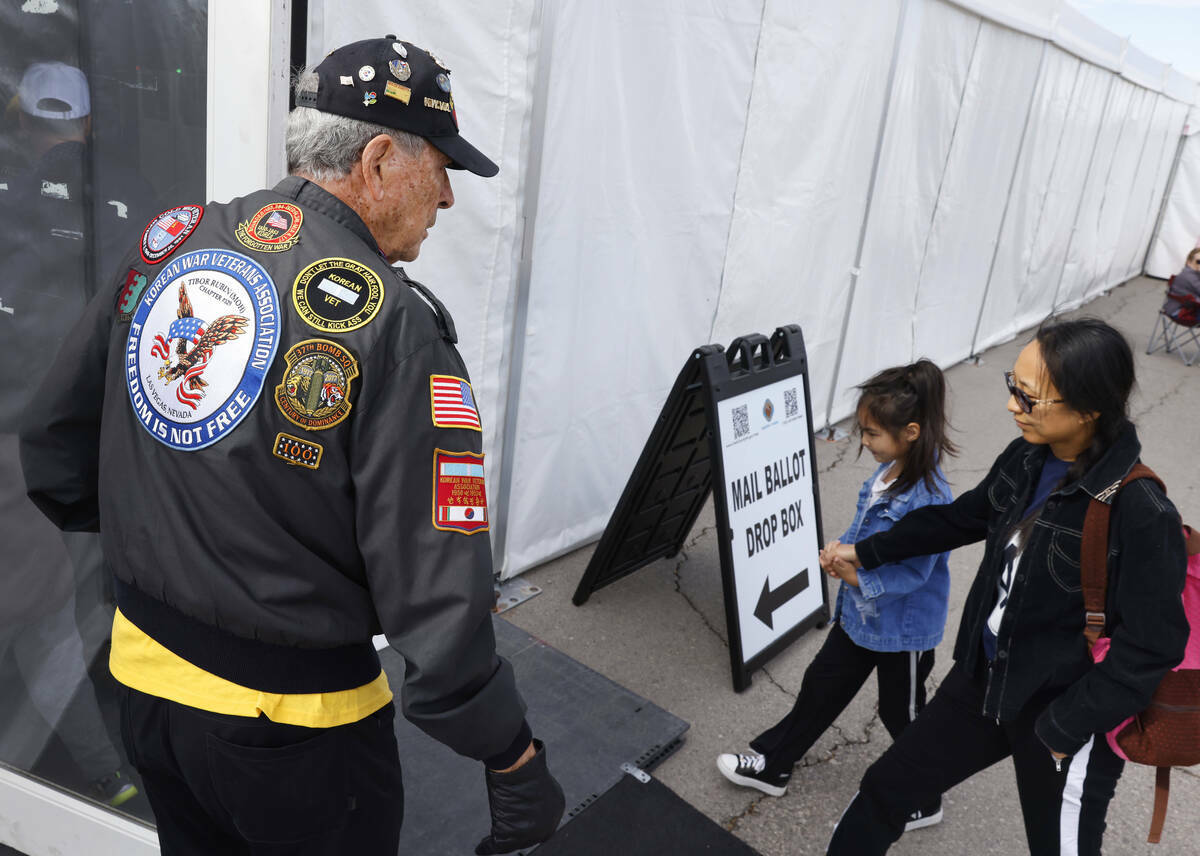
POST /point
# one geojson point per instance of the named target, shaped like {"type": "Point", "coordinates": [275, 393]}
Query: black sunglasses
{"type": "Point", "coordinates": [1024, 399]}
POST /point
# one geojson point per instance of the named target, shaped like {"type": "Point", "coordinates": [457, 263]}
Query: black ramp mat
{"type": "Point", "coordinates": [642, 819]}
{"type": "Point", "coordinates": [591, 726]}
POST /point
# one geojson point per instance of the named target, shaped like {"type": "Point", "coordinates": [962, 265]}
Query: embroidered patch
{"type": "Point", "coordinates": [200, 344]}
{"type": "Point", "coordinates": [337, 295]}
{"type": "Point", "coordinates": [300, 453]}
{"type": "Point", "coordinates": [452, 404]}
{"type": "Point", "coordinates": [168, 230]}
{"type": "Point", "coordinates": [459, 497]}
{"type": "Point", "coordinates": [315, 393]}
{"type": "Point", "coordinates": [127, 299]}
{"type": "Point", "coordinates": [272, 229]}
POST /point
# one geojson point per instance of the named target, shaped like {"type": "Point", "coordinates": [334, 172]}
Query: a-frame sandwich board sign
{"type": "Point", "coordinates": [741, 420]}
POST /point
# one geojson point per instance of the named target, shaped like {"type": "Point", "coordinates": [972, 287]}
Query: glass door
{"type": "Point", "coordinates": [108, 110]}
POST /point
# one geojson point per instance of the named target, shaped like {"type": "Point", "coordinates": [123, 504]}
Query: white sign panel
{"type": "Point", "coordinates": [769, 496]}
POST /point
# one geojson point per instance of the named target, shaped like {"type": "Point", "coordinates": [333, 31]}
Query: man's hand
{"type": "Point", "coordinates": [526, 803]}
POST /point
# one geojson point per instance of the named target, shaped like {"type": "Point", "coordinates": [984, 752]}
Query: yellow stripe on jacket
{"type": "Point", "coordinates": [142, 664]}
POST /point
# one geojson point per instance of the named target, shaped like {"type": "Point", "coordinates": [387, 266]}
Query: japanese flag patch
{"type": "Point", "coordinates": [459, 497]}
{"type": "Point", "coordinates": [452, 403]}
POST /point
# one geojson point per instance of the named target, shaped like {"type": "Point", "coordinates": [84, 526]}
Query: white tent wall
{"type": "Point", "coordinates": [644, 126]}
{"type": "Point", "coordinates": [949, 64]}
{"type": "Point", "coordinates": [913, 178]}
{"type": "Point", "coordinates": [1084, 244]}
{"type": "Point", "coordinates": [1044, 199]}
{"type": "Point", "coordinates": [1148, 185]}
{"type": "Point", "coordinates": [804, 180]}
{"type": "Point", "coordinates": [1179, 230]}
{"type": "Point", "coordinates": [471, 260]}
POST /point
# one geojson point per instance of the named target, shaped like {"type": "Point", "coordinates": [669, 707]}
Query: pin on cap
{"type": "Point", "coordinates": [400, 70]}
{"type": "Point", "coordinates": [423, 106]}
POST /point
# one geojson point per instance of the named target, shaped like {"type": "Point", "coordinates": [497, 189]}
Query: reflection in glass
{"type": "Point", "coordinates": [102, 127]}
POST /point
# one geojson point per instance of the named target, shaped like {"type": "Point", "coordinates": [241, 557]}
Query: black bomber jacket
{"type": "Point", "coordinates": [272, 548]}
{"type": "Point", "coordinates": [1042, 657]}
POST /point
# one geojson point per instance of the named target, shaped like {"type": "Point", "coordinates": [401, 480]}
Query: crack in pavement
{"type": "Point", "coordinates": [841, 456]}
{"type": "Point", "coordinates": [731, 823]}
{"type": "Point", "coordinates": [679, 590]}
{"type": "Point", "coordinates": [1175, 390]}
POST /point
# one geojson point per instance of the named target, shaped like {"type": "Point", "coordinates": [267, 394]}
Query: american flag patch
{"type": "Point", "coordinates": [277, 221]}
{"type": "Point", "coordinates": [452, 403]}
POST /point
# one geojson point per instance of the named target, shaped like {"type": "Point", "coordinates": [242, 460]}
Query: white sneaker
{"type": "Point", "coordinates": [747, 771]}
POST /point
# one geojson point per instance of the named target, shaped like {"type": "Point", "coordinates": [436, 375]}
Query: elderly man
{"type": "Point", "coordinates": [276, 437]}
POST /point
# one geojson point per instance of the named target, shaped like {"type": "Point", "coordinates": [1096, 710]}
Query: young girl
{"type": "Point", "coordinates": [887, 620]}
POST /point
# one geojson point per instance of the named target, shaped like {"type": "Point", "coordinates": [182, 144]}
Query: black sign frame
{"type": "Point", "coordinates": [754, 362]}
{"type": "Point", "coordinates": [679, 465]}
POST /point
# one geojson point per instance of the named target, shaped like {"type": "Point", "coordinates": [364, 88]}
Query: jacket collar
{"type": "Point", "coordinates": [1113, 465]}
{"type": "Point", "coordinates": [319, 199]}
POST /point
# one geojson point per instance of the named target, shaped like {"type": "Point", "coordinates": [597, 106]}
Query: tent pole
{"type": "Point", "coordinates": [862, 230]}
{"type": "Point", "coordinates": [712, 327]}
{"type": "Point", "coordinates": [1083, 190]}
{"type": "Point", "coordinates": [937, 199]}
{"type": "Point", "coordinates": [543, 19]}
{"type": "Point", "coordinates": [1012, 181]}
{"type": "Point", "coordinates": [1132, 185]}
{"type": "Point", "coordinates": [1166, 197]}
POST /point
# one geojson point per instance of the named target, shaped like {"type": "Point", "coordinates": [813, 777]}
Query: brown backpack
{"type": "Point", "coordinates": [1167, 733]}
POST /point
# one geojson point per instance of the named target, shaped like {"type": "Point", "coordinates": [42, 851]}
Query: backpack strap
{"type": "Point", "coordinates": [1093, 551]}
{"type": "Point", "coordinates": [1162, 790]}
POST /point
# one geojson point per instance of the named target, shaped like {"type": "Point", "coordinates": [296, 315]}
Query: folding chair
{"type": "Point", "coordinates": [1179, 331]}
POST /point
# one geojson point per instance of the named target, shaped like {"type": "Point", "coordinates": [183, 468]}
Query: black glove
{"type": "Point", "coordinates": [526, 805]}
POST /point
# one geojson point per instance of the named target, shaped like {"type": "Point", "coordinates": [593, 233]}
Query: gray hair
{"type": "Point", "coordinates": [324, 146]}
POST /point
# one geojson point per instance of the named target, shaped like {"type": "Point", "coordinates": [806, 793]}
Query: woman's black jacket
{"type": "Point", "coordinates": [1042, 657]}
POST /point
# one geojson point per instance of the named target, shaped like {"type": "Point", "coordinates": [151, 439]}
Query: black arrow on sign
{"type": "Point", "coordinates": [769, 600]}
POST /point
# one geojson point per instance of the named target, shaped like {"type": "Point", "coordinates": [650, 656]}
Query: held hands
{"type": "Point", "coordinates": [526, 804]}
{"type": "Point", "coordinates": [841, 562]}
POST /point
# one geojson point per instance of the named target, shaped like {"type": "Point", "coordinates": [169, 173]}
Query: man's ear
{"type": "Point", "coordinates": [372, 164]}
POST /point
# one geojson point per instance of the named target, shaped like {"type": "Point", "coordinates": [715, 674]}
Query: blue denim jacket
{"type": "Point", "coordinates": [900, 606]}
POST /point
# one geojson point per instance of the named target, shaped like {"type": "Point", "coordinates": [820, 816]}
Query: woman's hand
{"type": "Point", "coordinates": [837, 550]}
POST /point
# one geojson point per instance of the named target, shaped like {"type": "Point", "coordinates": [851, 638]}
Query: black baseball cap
{"type": "Point", "coordinates": [396, 84]}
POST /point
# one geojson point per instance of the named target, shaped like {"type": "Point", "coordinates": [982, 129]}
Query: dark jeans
{"type": "Point", "coordinates": [235, 785]}
{"type": "Point", "coordinates": [950, 741]}
{"type": "Point", "coordinates": [833, 678]}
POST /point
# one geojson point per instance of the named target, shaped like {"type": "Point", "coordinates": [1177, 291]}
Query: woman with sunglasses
{"type": "Point", "coordinates": [1023, 683]}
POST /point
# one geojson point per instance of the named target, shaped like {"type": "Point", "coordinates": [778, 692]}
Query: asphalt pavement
{"type": "Point", "coordinates": [661, 632]}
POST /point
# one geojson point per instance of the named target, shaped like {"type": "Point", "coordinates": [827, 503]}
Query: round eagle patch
{"type": "Point", "coordinates": [200, 344]}
{"type": "Point", "coordinates": [168, 230]}
{"type": "Point", "coordinates": [337, 295]}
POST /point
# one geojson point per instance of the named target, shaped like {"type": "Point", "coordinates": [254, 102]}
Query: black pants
{"type": "Point", "coordinates": [833, 678]}
{"type": "Point", "coordinates": [951, 740]}
{"type": "Point", "coordinates": [233, 785]}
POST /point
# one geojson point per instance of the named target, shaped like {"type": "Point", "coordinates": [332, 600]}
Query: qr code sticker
{"type": "Point", "coordinates": [741, 421]}
{"type": "Point", "coordinates": [790, 406]}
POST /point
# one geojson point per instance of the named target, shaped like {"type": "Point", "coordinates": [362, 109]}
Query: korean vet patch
{"type": "Point", "coordinates": [337, 295]}
{"type": "Point", "coordinates": [459, 498]}
{"type": "Point", "coordinates": [168, 230]}
{"type": "Point", "coordinates": [452, 403]}
{"type": "Point", "coordinates": [315, 393]}
{"type": "Point", "coordinates": [273, 228]}
{"type": "Point", "coordinates": [200, 344]}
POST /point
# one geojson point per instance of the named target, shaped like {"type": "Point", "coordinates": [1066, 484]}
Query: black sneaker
{"type": "Point", "coordinates": [747, 770]}
{"type": "Point", "coordinates": [927, 816]}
